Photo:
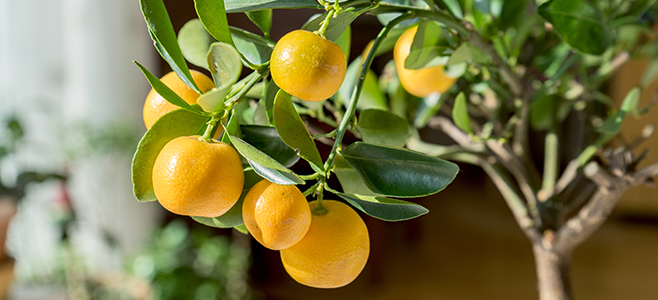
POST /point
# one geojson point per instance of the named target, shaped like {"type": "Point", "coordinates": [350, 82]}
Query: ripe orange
{"type": "Point", "coordinates": [421, 82]}
{"type": "Point", "coordinates": [155, 106]}
{"type": "Point", "coordinates": [195, 178]}
{"type": "Point", "coordinates": [334, 250]}
{"type": "Point", "coordinates": [277, 216]}
{"type": "Point", "coordinates": [307, 65]}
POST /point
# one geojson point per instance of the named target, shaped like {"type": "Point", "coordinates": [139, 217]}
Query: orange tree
{"type": "Point", "coordinates": [516, 84]}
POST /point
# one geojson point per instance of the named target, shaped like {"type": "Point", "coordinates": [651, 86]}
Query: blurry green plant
{"type": "Point", "coordinates": [184, 263]}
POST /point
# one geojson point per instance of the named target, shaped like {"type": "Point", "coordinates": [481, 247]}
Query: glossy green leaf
{"type": "Point", "coordinates": [267, 139]}
{"type": "Point", "coordinates": [337, 26]}
{"type": "Point", "coordinates": [262, 19]}
{"type": "Point", "coordinates": [213, 16]}
{"type": "Point", "coordinates": [225, 67]}
{"type": "Point", "coordinates": [164, 39]}
{"type": "Point", "coordinates": [428, 107]}
{"type": "Point", "coordinates": [233, 217]}
{"type": "Point", "coordinates": [292, 130]}
{"type": "Point", "coordinates": [460, 113]}
{"type": "Point", "coordinates": [264, 164]}
{"type": "Point", "coordinates": [382, 127]}
{"type": "Point", "coordinates": [398, 172]}
{"type": "Point", "coordinates": [255, 48]}
{"type": "Point", "coordinates": [428, 47]}
{"type": "Point", "coordinates": [194, 42]}
{"type": "Point", "coordinates": [612, 125]}
{"type": "Point", "coordinates": [166, 92]}
{"type": "Point", "coordinates": [233, 6]}
{"type": "Point", "coordinates": [579, 23]}
{"type": "Point", "coordinates": [170, 126]}
{"type": "Point", "coordinates": [349, 179]}
{"type": "Point", "coordinates": [383, 208]}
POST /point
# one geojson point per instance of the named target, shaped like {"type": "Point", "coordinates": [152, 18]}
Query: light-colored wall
{"type": "Point", "coordinates": [65, 63]}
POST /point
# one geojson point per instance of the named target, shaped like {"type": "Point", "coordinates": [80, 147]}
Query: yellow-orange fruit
{"type": "Point", "coordinates": [196, 178]}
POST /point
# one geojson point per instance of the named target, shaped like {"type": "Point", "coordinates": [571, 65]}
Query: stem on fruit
{"type": "Point", "coordinates": [351, 109]}
{"type": "Point", "coordinates": [325, 23]}
{"type": "Point", "coordinates": [210, 129]}
{"type": "Point", "coordinates": [320, 209]}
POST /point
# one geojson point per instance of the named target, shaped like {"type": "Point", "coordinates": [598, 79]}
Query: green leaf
{"type": "Point", "coordinates": [371, 95]}
{"type": "Point", "coordinates": [170, 126]}
{"type": "Point", "coordinates": [225, 67]}
{"type": "Point", "coordinates": [428, 107]}
{"type": "Point", "coordinates": [213, 16]}
{"type": "Point", "coordinates": [344, 41]}
{"type": "Point", "coordinates": [452, 6]}
{"type": "Point", "coordinates": [460, 114]}
{"type": "Point", "coordinates": [337, 26]}
{"type": "Point", "coordinates": [267, 139]}
{"type": "Point", "coordinates": [233, 6]}
{"type": "Point", "coordinates": [399, 172]}
{"type": "Point", "coordinates": [612, 125]}
{"type": "Point", "coordinates": [579, 23]}
{"type": "Point", "coordinates": [650, 74]}
{"type": "Point", "coordinates": [467, 53]}
{"type": "Point", "coordinates": [242, 229]}
{"type": "Point", "coordinates": [233, 217]}
{"type": "Point", "coordinates": [194, 43]}
{"type": "Point", "coordinates": [232, 127]}
{"type": "Point", "coordinates": [385, 208]}
{"type": "Point", "coordinates": [382, 127]}
{"type": "Point", "coordinates": [262, 19]}
{"type": "Point", "coordinates": [292, 130]}
{"type": "Point", "coordinates": [512, 11]}
{"type": "Point", "coordinates": [270, 94]}
{"type": "Point", "coordinates": [255, 48]}
{"type": "Point", "coordinates": [545, 109]}
{"type": "Point", "coordinates": [264, 164]}
{"type": "Point", "coordinates": [166, 92]}
{"type": "Point", "coordinates": [427, 46]}
{"type": "Point", "coordinates": [349, 179]}
{"type": "Point", "coordinates": [164, 39]}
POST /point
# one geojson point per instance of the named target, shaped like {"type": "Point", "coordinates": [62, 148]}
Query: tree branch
{"type": "Point", "coordinates": [592, 216]}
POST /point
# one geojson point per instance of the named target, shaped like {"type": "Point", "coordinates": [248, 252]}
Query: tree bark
{"type": "Point", "coordinates": [553, 278]}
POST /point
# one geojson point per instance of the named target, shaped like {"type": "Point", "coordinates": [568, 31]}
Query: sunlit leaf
{"type": "Point", "coordinates": [170, 126]}
{"type": "Point", "coordinates": [194, 42]}
{"type": "Point", "coordinates": [213, 16]}
{"type": "Point", "coordinates": [460, 113]}
{"type": "Point", "coordinates": [164, 39]}
{"type": "Point", "coordinates": [233, 6]}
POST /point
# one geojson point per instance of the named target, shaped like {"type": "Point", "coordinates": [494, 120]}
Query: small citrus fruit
{"type": "Point", "coordinates": [333, 252]}
{"type": "Point", "coordinates": [195, 178]}
{"type": "Point", "coordinates": [307, 65]}
{"type": "Point", "coordinates": [156, 106]}
{"type": "Point", "coordinates": [277, 216]}
{"type": "Point", "coordinates": [421, 82]}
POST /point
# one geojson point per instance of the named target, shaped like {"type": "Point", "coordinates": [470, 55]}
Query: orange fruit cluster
{"type": "Point", "coordinates": [323, 250]}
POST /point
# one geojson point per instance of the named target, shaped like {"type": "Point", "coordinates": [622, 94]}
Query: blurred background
{"type": "Point", "coordinates": [70, 119]}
